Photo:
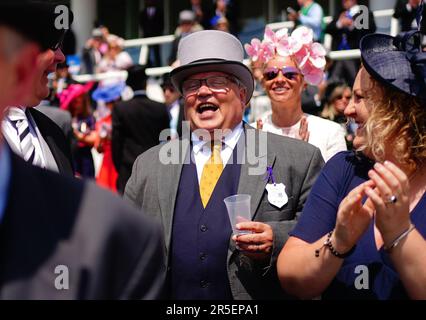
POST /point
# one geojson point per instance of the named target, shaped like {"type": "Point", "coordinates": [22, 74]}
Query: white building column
{"type": "Point", "coordinates": [85, 13]}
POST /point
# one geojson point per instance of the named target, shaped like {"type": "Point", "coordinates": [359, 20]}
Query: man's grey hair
{"type": "Point", "coordinates": [11, 42]}
{"type": "Point", "coordinates": [239, 83]}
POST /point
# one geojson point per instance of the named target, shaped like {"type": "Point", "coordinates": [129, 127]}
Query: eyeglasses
{"type": "Point", "coordinates": [288, 72]}
{"type": "Point", "coordinates": [58, 44]}
{"type": "Point", "coordinates": [215, 84]}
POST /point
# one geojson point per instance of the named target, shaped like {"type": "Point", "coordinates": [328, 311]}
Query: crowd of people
{"type": "Point", "coordinates": [331, 190]}
{"type": "Point", "coordinates": [104, 52]}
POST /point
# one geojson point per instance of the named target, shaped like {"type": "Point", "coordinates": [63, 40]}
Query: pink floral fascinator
{"type": "Point", "coordinates": [309, 55]}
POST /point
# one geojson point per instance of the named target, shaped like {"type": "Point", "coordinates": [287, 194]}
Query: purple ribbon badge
{"type": "Point", "coordinates": [270, 175]}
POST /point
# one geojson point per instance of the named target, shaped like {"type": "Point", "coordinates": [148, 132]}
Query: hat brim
{"type": "Point", "coordinates": [387, 64]}
{"type": "Point", "coordinates": [108, 94]}
{"type": "Point", "coordinates": [234, 68]}
{"type": "Point", "coordinates": [35, 20]}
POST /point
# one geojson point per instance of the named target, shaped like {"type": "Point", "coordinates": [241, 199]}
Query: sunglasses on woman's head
{"type": "Point", "coordinates": [288, 72]}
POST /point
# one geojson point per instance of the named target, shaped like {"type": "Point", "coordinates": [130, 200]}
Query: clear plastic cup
{"type": "Point", "coordinates": [238, 207]}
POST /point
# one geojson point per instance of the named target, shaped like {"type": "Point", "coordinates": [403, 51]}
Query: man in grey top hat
{"type": "Point", "coordinates": [187, 25]}
{"type": "Point", "coordinates": [183, 183]}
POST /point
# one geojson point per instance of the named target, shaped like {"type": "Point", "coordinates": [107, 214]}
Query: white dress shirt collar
{"type": "Point", "coordinates": [139, 93]}
{"type": "Point", "coordinates": [12, 136]}
{"type": "Point", "coordinates": [230, 140]}
{"type": "Point", "coordinates": [201, 154]}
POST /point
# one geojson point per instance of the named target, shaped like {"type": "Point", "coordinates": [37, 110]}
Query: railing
{"type": "Point", "coordinates": [145, 42]}
{"type": "Point", "coordinates": [343, 54]}
{"type": "Point", "coordinates": [151, 72]}
{"type": "Point", "coordinates": [377, 14]}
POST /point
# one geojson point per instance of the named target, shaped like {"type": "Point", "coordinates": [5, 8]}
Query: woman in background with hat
{"type": "Point", "coordinates": [75, 99]}
{"type": "Point", "coordinates": [106, 97]}
{"type": "Point", "coordinates": [289, 63]}
{"type": "Point", "coordinates": [362, 231]}
{"type": "Point", "coordinates": [115, 58]}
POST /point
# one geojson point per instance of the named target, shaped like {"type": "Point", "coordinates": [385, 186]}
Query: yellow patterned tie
{"type": "Point", "coordinates": [211, 174]}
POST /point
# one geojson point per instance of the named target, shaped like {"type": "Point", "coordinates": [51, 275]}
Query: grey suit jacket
{"type": "Point", "coordinates": [153, 187]}
{"type": "Point", "coordinates": [61, 238]}
{"type": "Point", "coordinates": [61, 117]}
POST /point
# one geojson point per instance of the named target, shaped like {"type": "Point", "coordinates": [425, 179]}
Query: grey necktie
{"type": "Point", "coordinates": [19, 120]}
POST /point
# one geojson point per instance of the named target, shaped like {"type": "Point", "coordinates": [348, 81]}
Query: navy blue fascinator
{"type": "Point", "coordinates": [397, 62]}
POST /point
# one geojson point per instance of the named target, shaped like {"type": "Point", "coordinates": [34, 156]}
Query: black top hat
{"type": "Point", "coordinates": [397, 62]}
{"type": "Point", "coordinates": [136, 77]}
{"type": "Point", "coordinates": [166, 80]}
{"type": "Point", "coordinates": [44, 23]}
{"type": "Point", "coordinates": [62, 65]}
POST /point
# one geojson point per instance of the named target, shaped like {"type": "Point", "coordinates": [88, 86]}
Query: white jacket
{"type": "Point", "coordinates": [326, 135]}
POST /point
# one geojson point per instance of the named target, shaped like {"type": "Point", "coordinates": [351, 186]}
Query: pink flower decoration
{"type": "Point", "coordinates": [317, 55]}
{"type": "Point", "coordinates": [302, 56]}
{"type": "Point", "coordinates": [267, 52]}
{"type": "Point", "coordinates": [253, 49]}
{"type": "Point", "coordinates": [313, 75]}
{"type": "Point", "coordinates": [286, 46]}
{"type": "Point", "coordinates": [270, 36]}
{"type": "Point", "coordinates": [262, 51]}
{"type": "Point", "coordinates": [275, 38]}
{"type": "Point", "coordinates": [309, 55]}
{"type": "Point", "coordinates": [304, 35]}
{"type": "Point", "coordinates": [282, 33]}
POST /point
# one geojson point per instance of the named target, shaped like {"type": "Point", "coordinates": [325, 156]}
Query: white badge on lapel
{"type": "Point", "coordinates": [276, 194]}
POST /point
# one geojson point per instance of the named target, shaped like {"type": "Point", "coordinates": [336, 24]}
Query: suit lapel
{"type": "Point", "coordinates": [50, 140]}
{"type": "Point", "coordinates": [250, 183]}
{"type": "Point", "coordinates": [168, 184]}
{"type": "Point", "coordinates": [180, 119]}
{"type": "Point", "coordinates": [50, 160]}
{"type": "Point", "coordinates": [44, 132]}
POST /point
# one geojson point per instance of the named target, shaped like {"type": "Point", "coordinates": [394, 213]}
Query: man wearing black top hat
{"type": "Point", "coordinates": [136, 125]}
{"type": "Point", "coordinates": [28, 132]}
{"type": "Point", "coordinates": [62, 238]}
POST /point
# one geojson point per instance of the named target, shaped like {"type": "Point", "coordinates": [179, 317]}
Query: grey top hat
{"type": "Point", "coordinates": [211, 50]}
{"type": "Point", "coordinates": [186, 16]}
{"type": "Point", "coordinates": [396, 62]}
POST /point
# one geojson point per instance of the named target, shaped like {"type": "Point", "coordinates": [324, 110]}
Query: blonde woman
{"type": "Point", "coordinates": [289, 63]}
{"type": "Point", "coordinates": [336, 101]}
{"type": "Point", "coordinates": [362, 231]}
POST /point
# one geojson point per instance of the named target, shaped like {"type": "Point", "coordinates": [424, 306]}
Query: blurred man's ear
{"type": "Point", "coordinates": [24, 70]}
